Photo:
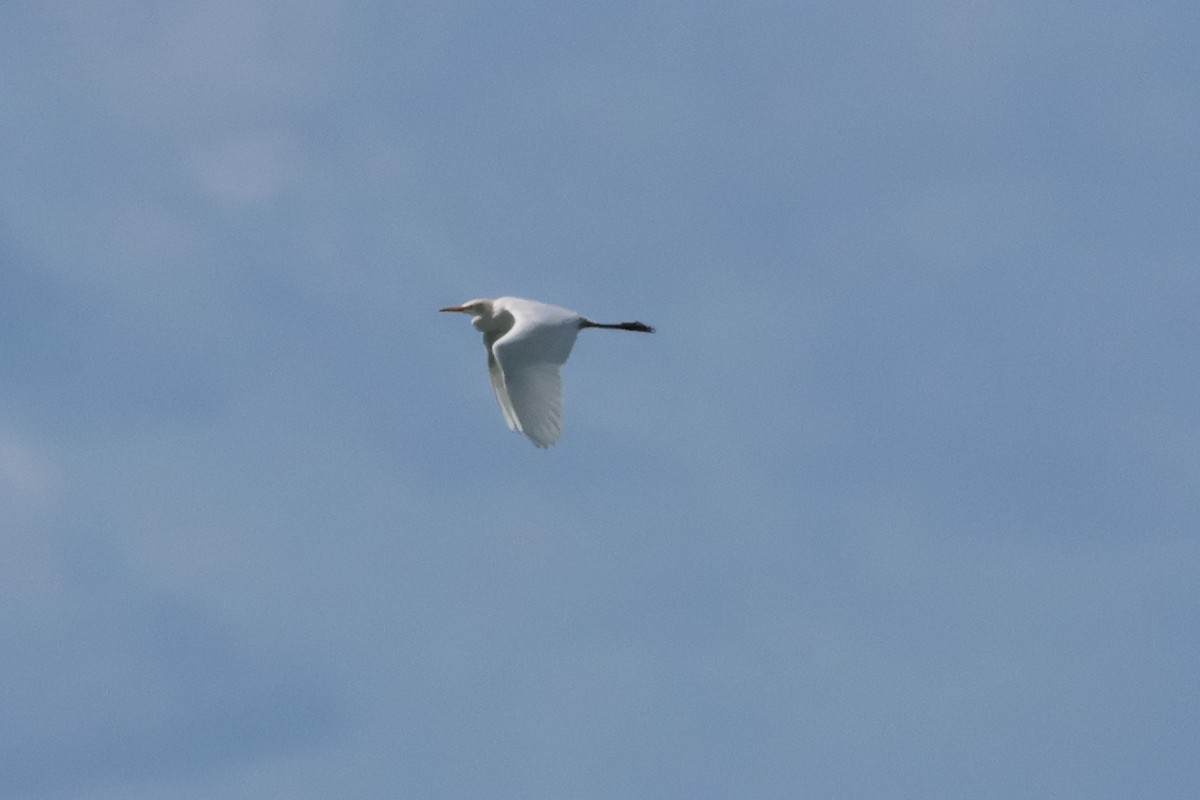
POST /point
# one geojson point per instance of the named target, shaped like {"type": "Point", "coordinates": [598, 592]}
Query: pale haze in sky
{"type": "Point", "coordinates": [901, 500]}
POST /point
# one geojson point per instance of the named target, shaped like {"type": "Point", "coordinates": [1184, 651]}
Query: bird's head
{"type": "Point", "coordinates": [481, 312]}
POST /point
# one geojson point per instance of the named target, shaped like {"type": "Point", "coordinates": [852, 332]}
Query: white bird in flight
{"type": "Point", "coordinates": [526, 343]}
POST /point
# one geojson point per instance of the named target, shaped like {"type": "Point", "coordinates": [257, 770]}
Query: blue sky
{"type": "Point", "coordinates": [900, 501]}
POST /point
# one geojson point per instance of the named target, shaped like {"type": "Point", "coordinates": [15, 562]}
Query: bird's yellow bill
{"type": "Point", "coordinates": [453, 308]}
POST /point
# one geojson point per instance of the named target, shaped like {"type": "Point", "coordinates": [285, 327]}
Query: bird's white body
{"type": "Point", "coordinates": [527, 342]}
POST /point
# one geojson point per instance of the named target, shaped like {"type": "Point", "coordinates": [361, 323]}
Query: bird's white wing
{"type": "Point", "coordinates": [529, 357]}
{"type": "Point", "coordinates": [535, 391]}
{"type": "Point", "coordinates": [497, 377]}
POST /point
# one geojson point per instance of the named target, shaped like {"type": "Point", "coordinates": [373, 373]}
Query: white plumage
{"type": "Point", "coordinates": [527, 342]}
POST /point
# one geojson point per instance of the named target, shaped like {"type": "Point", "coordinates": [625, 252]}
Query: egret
{"type": "Point", "coordinates": [526, 343]}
